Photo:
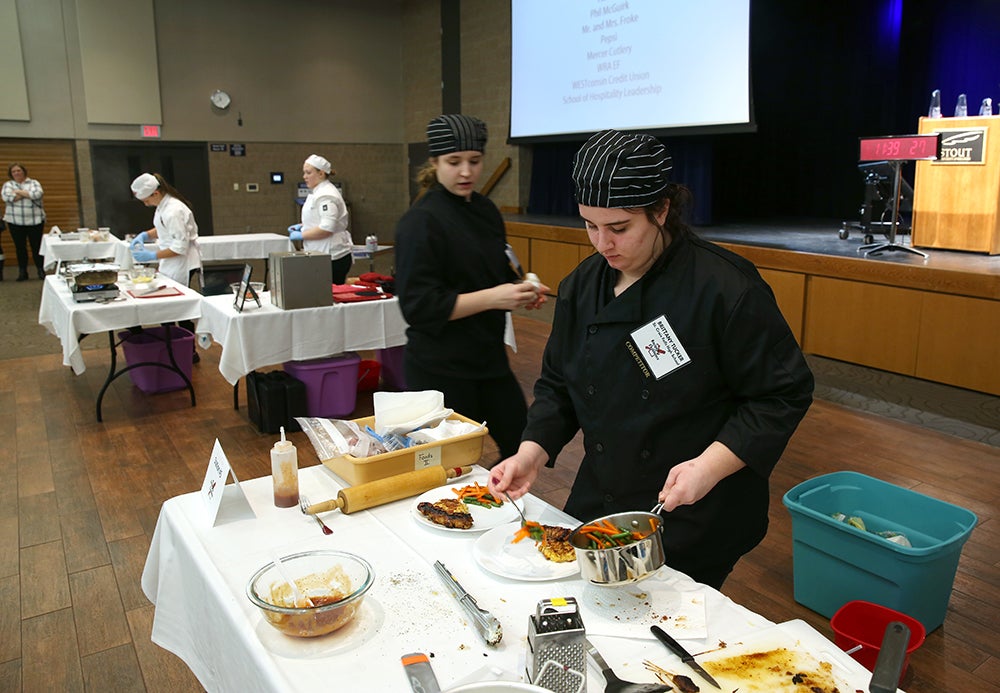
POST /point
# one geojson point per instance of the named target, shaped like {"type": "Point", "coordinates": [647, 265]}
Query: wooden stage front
{"type": "Point", "coordinates": [936, 318]}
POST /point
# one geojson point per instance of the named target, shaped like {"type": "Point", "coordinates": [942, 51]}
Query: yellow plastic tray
{"type": "Point", "coordinates": [453, 452]}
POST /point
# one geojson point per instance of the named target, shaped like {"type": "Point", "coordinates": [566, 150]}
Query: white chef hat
{"type": "Point", "coordinates": [319, 163]}
{"type": "Point", "coordinates": [144, 186]}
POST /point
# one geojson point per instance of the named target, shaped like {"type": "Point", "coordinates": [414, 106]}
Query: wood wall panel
{"type": "Point", "coordinates": [790, 293]}
{"type": "Point", "coordinates": [522, 248]}
{"type": "Point", "coordinates": [53, 164]}
{"type": "Point", "coordinates": [959, 342]}
{"type": "Point", "coordinates": [863, 323]}
{"type": "Point", "coordinates": [552, 260]}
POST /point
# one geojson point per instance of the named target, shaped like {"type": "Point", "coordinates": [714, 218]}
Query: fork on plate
{"type": "Point", "coordinates": [303, 504]}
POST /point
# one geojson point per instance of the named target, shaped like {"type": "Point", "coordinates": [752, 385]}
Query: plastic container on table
{"type": "Point", "coordinates": [331, 384]}
{"type": "Point", "coordinates": [452, 452]}
{"type": "Point", "coordinates": [834, 563]}
{"type": "Point", "coordinates": [150, 346]}
{"type": "Point", "coordinates": [863, 623]}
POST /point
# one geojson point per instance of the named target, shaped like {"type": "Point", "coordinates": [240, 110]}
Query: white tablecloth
{"type": "Point", "coordinates": [196, 576]}
{"type": "Point", "coordinates": [268, 335]}
{"type": "Point", "coordinates": [61, 315]}
{"type": "Point", "coordinates": [55, 250]}
{"type": "Point", "coordinates": [243, 246]}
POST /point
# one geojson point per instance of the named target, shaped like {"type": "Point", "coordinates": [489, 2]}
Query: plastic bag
{"type": "Point", "coordinates": [335, 438]}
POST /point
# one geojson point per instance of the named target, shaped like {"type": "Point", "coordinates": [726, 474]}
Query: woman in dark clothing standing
{"type": "Point", "coordinates": [671, 355]}
{"type": "Point", "coordinates": [455, 286]}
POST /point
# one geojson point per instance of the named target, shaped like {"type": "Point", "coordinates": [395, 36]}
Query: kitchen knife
{"type": "Point", "coordinates": [685, 656]}
{"type": "Point", "coordinates": [486, 623]}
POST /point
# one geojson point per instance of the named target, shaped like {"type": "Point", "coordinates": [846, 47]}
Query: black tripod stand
{"type": "Point", "coordinates": [878, 248]}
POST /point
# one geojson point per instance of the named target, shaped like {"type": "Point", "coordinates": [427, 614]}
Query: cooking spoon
{"type": "Point", "coordinates": [613, 684]}
{"type": "Point", "coordinates": [296, 594]}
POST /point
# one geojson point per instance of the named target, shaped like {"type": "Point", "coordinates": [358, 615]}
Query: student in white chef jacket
{"type": "Point", "coordinates": [324, 218]}
{"type": "Point", "coordinates": [174, 230]}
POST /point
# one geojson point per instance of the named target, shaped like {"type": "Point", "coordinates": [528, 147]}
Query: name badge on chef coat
{"type": "Point", "coordinates": [658, 347]}
{"type": "Point", "coordinates": [223, 501]}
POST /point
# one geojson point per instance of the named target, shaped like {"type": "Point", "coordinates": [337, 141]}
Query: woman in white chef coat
{"type": "Point", "coordinates": [174, 229]}
{"type": "Point", "coordinates": [324, 218]}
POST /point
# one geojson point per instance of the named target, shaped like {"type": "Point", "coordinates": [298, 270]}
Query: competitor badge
{"type": "Point", "coordinates": [659, 347]}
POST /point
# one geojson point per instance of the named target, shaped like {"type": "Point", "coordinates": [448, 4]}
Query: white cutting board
{"type": "Point", "coordinates": [808, 647]}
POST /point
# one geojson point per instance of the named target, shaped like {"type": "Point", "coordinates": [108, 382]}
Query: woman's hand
{"type": "Point", "coordinates": [540, 296]}
{"type": "Point", "coordinates": [515, 474]}
{"type": "Point", "coordinates": [508, 296]}
{"type": "Point", "coordinates": [690, 481]}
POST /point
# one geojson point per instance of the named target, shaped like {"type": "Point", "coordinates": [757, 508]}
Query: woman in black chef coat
{"type": "Point", "coordinates": [455, 286]}
{"type": "Point", "coordinates": [671, 355]}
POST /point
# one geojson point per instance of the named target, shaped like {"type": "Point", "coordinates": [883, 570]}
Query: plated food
{"type": "Point", "coordinates": [463, 508]}
{"type": "Point", "coordinates": [551, 541]}
{"type": "Point", "coordinates": [448, 512]}
{"type": "Point", "coordinates": [499, 553]}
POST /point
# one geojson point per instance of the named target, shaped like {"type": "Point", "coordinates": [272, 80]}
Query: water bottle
{"type": "Point", "coordinates": [987, 107]}
{"type": "Point", "coordinates": [935, 110]}
{"type": "Point", "coordinates": [371, 244]}
{"type": "Point", "coordinates": [962, 107]}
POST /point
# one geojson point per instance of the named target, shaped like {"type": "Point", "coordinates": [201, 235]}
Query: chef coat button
{"type": "Point", "coordinates": [592, 329]}
{"type": "Point", "coordinates": [599, 447]}
{"type": "Point", "coordinates": [644, 454]}
{"type": "Point", "coordinates": [591, 389]}
{"type": "Point", "coordinates": [644, 394]}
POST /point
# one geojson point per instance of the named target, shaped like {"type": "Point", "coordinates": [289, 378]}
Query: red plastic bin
{"type": "Point", "coordinates": [149, 346]}
{"type": "Point", "coordinates": [864, 623]}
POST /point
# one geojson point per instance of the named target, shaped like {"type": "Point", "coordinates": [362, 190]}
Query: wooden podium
{"type": "Point", "coordinates": [956, 205]}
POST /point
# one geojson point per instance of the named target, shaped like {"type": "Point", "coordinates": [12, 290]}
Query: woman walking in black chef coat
{"type": "Point", "coordinates": [455, 286]}
{"type": "Point", "coordinates": [671, 355]}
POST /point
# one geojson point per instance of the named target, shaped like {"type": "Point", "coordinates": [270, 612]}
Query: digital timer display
{"type": "Point", "coordinates": [900, 147]}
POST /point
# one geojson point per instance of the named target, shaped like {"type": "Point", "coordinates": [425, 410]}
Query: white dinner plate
{"type": "Point", "coordinates": [496, 552]}
{"type": "Point", "coordinates": [482, 518]}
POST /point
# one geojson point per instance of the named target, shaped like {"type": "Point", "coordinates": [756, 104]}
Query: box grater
{"type": "Point", "coordinates": [557, 652]}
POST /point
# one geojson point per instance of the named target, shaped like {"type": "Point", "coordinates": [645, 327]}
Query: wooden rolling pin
{"type": "Point", "coordinates": [364, 496]}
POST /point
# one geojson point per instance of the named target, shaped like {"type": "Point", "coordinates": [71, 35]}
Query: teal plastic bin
{"type": "Point", "coordinates": [834, 563]}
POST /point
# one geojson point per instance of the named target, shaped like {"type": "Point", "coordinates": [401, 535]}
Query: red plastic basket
{"type": "Point", "coordinates": [864, 623]}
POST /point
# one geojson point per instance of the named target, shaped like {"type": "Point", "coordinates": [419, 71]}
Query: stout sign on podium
{"type": "Point", "coordinates": [956, 199]}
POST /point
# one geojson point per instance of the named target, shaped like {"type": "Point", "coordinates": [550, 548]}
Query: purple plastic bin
{"type": "Point", "coordinates": [331, 384]}
{"type": "Point", "coordinates": [149, 346]}
{"type": "Point", "coordinates": [392, 368]}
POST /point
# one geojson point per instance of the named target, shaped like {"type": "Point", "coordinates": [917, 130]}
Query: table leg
{"type": "Point", "coordinates": [173, 363]}
{"type": "Point", "coordinates": [113, 371]}
{"type": "Point", "coordinates": [236, 395]}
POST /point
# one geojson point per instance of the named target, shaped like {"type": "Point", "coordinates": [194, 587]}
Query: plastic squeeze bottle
{"type": "Point", "coordinates": [285, 472]}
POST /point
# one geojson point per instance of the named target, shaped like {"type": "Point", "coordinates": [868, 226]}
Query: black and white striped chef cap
{"type": "Point", "coordinates": [456, 133]}
{"type": "Point", "coordinates": [621, 169]}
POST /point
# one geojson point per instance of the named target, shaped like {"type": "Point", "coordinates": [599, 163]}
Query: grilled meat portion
{"type": "Point", "coordinates": [555, 544]}
{"type": "Point", "coordinates": [449, 512]}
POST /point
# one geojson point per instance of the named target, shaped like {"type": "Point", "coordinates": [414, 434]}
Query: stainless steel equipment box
{"type": "Point", "coordinates": [300, 279]}
{"type": "Point", "coordinates": [557, 658]}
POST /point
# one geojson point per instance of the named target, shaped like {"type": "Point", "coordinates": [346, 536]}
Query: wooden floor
{"type": "Point", "coordinates": [82, 499]}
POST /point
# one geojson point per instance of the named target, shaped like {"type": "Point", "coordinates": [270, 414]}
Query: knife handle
{"type": "Point", "coordinates": [891, 657]}
{"type": "Point", "coordinates": [671, 644]}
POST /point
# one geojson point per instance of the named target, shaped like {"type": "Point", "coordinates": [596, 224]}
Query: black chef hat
{"type": "Point", "coordinates": [456, 133]}
{"type": "Point", "coordinates": [620, 169]}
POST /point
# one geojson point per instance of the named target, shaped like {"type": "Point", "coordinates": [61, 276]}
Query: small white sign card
{"type": "Point", "coordinates": [222, 500]}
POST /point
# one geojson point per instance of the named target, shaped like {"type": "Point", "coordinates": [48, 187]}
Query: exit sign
{"type": "Point", "coordinates": [150, 130]}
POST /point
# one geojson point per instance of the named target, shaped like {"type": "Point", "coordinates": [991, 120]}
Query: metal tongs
{"type": "Point", "coordinates": [486, 623]}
